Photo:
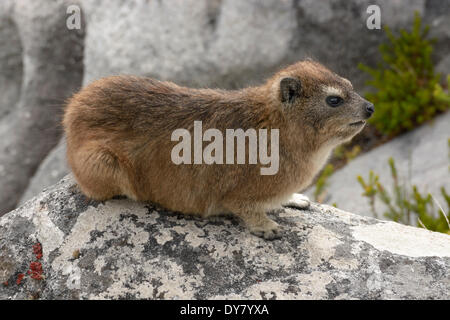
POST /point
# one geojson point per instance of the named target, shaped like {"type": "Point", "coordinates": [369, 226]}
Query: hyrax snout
{"type": "Point", "coordinates": [206, 152]}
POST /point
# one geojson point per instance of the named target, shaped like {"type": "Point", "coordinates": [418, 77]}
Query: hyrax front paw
{"type": "Point", "coordinates": [269, 230]}
{"type": "Point", "coordinates": [299, 201]}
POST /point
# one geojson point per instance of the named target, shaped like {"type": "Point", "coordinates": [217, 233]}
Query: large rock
{"type": "Point", "coordinates": [52, 169]}
{"type": "Point", "coordinates": [438, 17]}
{"type": "Point", "coordinates": [421, 158]}
{"type": "Point", "coordinates": [51, 57]}
{"type": "Point", "coordinates": [231, 43]}
{"type": "Point", "coordinates": [123, 249]}
{"type": "Point", "coordinates": [11, 64]}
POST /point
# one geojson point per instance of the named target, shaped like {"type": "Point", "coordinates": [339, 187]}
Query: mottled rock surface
{"type": "Point", "coordinates": [421, 158]}
{"type": "Point", "coordinates": [123, 249]}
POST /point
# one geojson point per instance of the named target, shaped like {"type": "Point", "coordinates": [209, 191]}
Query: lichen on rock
{"type": "Point", "coordinates": [125, 249]}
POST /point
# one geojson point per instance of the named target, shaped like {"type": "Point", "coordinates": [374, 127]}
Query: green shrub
{"type": "Point", "coordinates": [408, 91]}
{"type": "Point", "coordinates": [406, 206]}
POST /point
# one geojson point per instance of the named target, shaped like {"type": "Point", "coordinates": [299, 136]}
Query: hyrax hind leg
{"type": "Point", "coordinates": [259, 223]}
{"type": "Point", "coordinates": [98, 172]}
{"type": "Point", "coordinates": [299, 201]}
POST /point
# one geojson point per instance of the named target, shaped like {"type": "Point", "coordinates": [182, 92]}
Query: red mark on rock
{"type": "Point", "coordinates": [35, 270]}
{"type": "Point", "coordinates": [37, 250]}
{"type": "Point", "coordinates": [20, 277]}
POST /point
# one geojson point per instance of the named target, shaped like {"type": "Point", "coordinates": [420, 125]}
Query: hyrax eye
{"type": "Point", "coordinates": [334, 101]}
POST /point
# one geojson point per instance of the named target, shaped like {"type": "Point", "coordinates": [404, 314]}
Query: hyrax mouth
{"type": "Point", "coordinates": [357, 123]}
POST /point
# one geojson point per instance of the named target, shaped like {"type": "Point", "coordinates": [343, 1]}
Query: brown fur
{"type": "Point", "coordinates": [119, 141]}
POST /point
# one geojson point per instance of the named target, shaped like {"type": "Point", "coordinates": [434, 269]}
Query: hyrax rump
{"type": "Point", "coordinates": [119, 130]}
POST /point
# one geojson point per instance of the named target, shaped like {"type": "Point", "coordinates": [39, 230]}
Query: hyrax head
{"type": "Point", "coordinates": [311, 95]}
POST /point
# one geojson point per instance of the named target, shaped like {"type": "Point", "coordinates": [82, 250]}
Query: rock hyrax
{"type": "Point", "coordinates": [119, 140]}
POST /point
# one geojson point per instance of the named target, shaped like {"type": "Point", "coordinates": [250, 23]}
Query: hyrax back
{"type": "Point", "coordinates": [119, 132]}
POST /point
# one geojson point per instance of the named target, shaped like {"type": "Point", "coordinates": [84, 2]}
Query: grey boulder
{"type": "Point", "coordinates": [43, 60]}
{"type": "Point", "coordinates": [233, 43]}
{"type": "Point", "coordinates": [121, 249]}
{"type": "Point", "coordinates": [52, 169]}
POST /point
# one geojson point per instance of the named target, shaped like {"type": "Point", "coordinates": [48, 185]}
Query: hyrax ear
{"type": "Point", "coordinates": [290, 89]}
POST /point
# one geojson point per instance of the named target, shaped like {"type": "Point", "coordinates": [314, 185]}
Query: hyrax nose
{"type": "Point", "coordinates": [369, 109]}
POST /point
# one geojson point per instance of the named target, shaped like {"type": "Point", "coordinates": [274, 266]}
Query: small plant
{"type": "Point", "coordinates": [408, 91]}
{"type": "Point", "coordinates": [343, 153]}
{"type": "Point", "coordinates": [406, 206]}
{"type": "Point", "coordinates": [322, 182]}
{"type": "Point", "coordinates": [370, 190]}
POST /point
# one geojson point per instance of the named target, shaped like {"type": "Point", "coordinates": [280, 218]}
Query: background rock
{"type": "Point", "coordinates": [53, 168]}
{"type": "Point", "coordinates": [422, 155]}
{"type": "Point", "coordinates": [51, 56]}
{"type": "Point", "coordinates": [231, 43]}
{"type": "Point", "coordinates": [123, 249]}
{"type": "Point", "coordinates": [438, 17]}
{"type": "Point", "coordinates": [11, 65]}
